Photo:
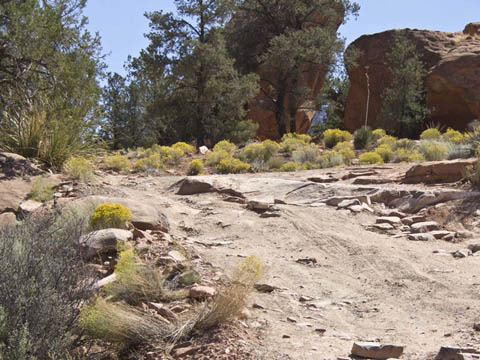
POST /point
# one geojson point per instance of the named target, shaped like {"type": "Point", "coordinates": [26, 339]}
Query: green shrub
{"type": "Point", "coordinates": [415, 157]}
{"type": "Point", "coordinates": [431, 134]}
{"type": "Point", "coordinates": [332, 137]}
{"type": "Point", "coordinates": [232, 166]}
{"type": "Point", "coordinates": [42, 189]}
{"type": "Point", "coordinates": [306, 154]}
{"type": "Point", "coordinates": [153, 163]}
{"type": "Point", "coordinates": [213, 158]}
{"type": "Point", "coordinates": [385, 152]}
{"type": "Point", "coordinates": [117, 162]}
{"type": "Point", "coordinates": [108, 215]}
{"type": "Point", "coordinates": [362, 138]}
{"type": "Point", "coordinates": [378, 134]}
{"type": "Point", "coordinates": [345, 149]}
{"type": "Point", "coordinates": [433, 151]}
{"type": "Point", "coordinates": [406, 155]}
{"type": "Point", "coordinates": [292, 142]}
{"type": "Point", "coordinates": [275, 163]}
{"type": "Point", "coordinates": [79, 168]}
{"type": "Point", "coordinates": [388, 140]}
{"type": "Point", "coordinates": [454, 136]}
{"type": "Point", "coordinates": [405, 144]}
{"type": "Point", "coordinates": [330, 159]}
{"type": "Point", "coordinates": [459, 151]}
{"type": "Point", "coordinates": [260, 152]}
{"type": "Point", "coordinates": [226, 146]}
{"type": "Point", "coordinates": [195, 167]}
{"type": "Point", "coordinates": [370, 158]}
{"type": "Point", "coordinates": [290, 166]}
{"type": "Point", "coordinates": [184, 147]}
{"type": "Point", "coordinates": [43, 282]}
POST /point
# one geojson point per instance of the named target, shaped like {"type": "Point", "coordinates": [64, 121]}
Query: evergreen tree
{"type": "Point", "coordinates": [288, 40]}
{"type": "Point", "coordinates": [204, 95]}
{"type": "Point", "coordinates": [403, 102]}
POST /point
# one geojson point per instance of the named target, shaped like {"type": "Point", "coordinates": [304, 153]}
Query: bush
{"type": "Point", "coordinates": [388, 140]}
{"type": "Point", "coordinates": [79, 168]}
{"type": "Point", "coordinates": [405, 144]}
{"type": "Point", "coordinates": [290, 166]}
{"type": "Point", "coordinates": [345, 149]}
{"type": "Point", "coordinates": [433, 151]}
{"type": "Point", "coordinates": [378, 134]}
{"type": "Point", "coordinates": [122, 324]}
{"type": "Point", "coordinates": [292, 142]}
{"type": "Point", "coordinates": [362, 138]}
{"type": "Point", "coordinates": [275, 163]}
{"type": "Point", "coordinates": [370, 158]}
{"type": "Point", "coordinates": [108, 215]}
{"type": "Point", "coordinates": [232, 166]}
{"type": "Point", "coordinates": [42, 189]}
{"type": "Point", "coordinates": [385, 152]}
{"type": "Point", "coordinates": [184, 147]}
{"type": "Point", "coordinates": [330, 159]}
{"type": "Point", "coordinates": [431, 134]}
{"type": "Point", "coordinates": [152, 163]}
{"type": "Point", "coordinates": [406, 155]}
{"type": "Point", "coordinates": [260, 152]}
{"type": "Point", "coordinates": [117, 162]}
{"type": "Point", "coordinates": [232, 299]}
{"type": "Point", "coordinates": [213, 158]}
{"type": "Point", "coordinates": [170, 155]}
{"type": "Point", "coordinates": [43, 282]}
{"type": "Point", "coordinates": [459, 151]}
{"type": "Point", "coordinates": [454, 136]}
{"type": "Point", "coordinates": [306, 154]}
{"type": "Point", "coordinates": [195, 167]}
{"type": "Point", "coordinates": [226, 146]}
{"type": "Point", "coordinates": [332, 137]}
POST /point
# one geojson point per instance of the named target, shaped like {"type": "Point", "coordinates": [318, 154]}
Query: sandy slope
{"type": "Point", "coordinates": [364, 286]}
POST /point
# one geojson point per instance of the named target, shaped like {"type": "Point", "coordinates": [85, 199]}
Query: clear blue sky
{"type": "Point", "coordinates": [121, 23]}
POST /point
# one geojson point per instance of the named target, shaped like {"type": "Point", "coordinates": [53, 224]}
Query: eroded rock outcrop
{"type": "Point", "coordinates": [452, 83]}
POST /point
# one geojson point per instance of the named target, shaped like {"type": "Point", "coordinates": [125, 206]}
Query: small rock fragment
{"type": "Point", "coordinates": [383, 226]}
{"type": "Point", "coordinates": [462, 253]}
{"type": "Point", "coordinates": [29, 206]}
{"type": "Point", "coordinates": [392, 220]}
{"type": "Point", "coordinates": [347, 203]}
{"type": "Point", "coordinates": [421, 237]}
{"type": "Point", "coordinates": [264, 288]}
{"type": "Point", "coordinates": [474, 247]}
{"type": "Point", "coordinates": [379, 351]}
{"type": "Point", "coordinates": [464, 234]}
{"type": "Point", "coordinates": [201, 292]}
{"type": "Point", "coordinates": [423, 227]}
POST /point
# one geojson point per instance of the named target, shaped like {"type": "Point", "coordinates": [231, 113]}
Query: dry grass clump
{"type": "Point", "coordinates": [42, 189]}
{"type": "Point", "coordinates": [122, 324]}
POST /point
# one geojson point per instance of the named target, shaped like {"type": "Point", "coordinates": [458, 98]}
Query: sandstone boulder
{"type": "Point", "coordinates": [438, 171]}
{"type": "Point", "coordinates": [455, 353]}
{"type": "Point", "coordinates": [371, 350]}
{"type": "Point", "coordinates": [452, 82]}
{"type": "Point", "coordinates": [103, 241]}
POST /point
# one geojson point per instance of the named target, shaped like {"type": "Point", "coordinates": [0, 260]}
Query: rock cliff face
{"type": "Point", "coordinates": [452, 83]}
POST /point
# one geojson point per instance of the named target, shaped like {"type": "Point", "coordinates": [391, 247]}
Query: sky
{"type": "Point", "coordinates": [122, 26]}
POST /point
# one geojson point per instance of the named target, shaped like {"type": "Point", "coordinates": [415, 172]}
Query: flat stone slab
{"type": "Point", "coordinates": [455, 353]}
{"type": "Point", "coordinates": [474, 247]}
{"type": "Point", "coordinates": [392, 220]}
{"type": "Point", "coordinates": [440, 234]}
{"type": "Point", "coordinates": [383, 226]}
{"type": "Point", "coordinates": [421, 237]}
{"type": "Point", "coordinates": [378, 351]}
{"type": "Point", "coordinates": [426, 226]}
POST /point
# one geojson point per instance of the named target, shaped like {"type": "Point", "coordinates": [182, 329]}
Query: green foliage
{"type": "Point", "coordinates": [385, 152]}
{"type": "Point", "coordinates": [388, 140]}
{"type": "Point", "coordinates": [362, 138]}
{"type": "Point", "coordinates": [378, 134]}
{"type": "Point", "coordinates": [370, 158]}
{"type": "Point", "coordinates": [213, 158]}
{"type": "Point", "coordinates": [259, 154]}
{"type": "Point", "coordinates": [332, 137]}
{"type": "Point", "coordinates": [403, 101]}
{"type": "Point", "coordinates": [431, 134]}
{"type": "Point", "coordinates": [407, 155]}
{"type": "Point", "coordinates": [108, 215]}
{"type": "Point", "coordinates": [117, 162]}
{"type": "Point", "coordinates": [48, 89]}
{"type": "Point", "coordinates": [330, 159]}
{"type": "Point", "coordinates": [433, 151]}
{"type": "Point", "coordinates": [42, 189]}
{"type": "Point", "coordinates": [151, 163]}
{"type": "Point", "coordinates": [291, 142]}
{"type": "Point", "coordinates": [454, 136]}
{"type": "Point", "coordinates": [290, 166]}
{"type": "Point", "coordinates": [225, 145]}
{"type": "Point", "coordinates": [406, 144]}
{"type": "Point", "coordinates": [43, 282]}
{"type": "Point", "coordinates": [195, 167]}
{"type": "Point", "coordinates": [184, 147]}
{"type": "Point", "coordinates": [232, 166]}
{"type": "Point", "coordinates": [79, 168]}
{"type": "Point", "coordinates": [275, 163]}
{"type": "Point", "coordinates": [306, 154]}
{"type": "Point", "coordinates": [459, 151]}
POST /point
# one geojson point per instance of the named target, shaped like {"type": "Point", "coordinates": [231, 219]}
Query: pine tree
{"type": "Point", "coordinates": [403, 102]}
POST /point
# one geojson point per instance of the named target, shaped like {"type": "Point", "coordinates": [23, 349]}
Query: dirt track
{"type": "Point", "coordinates": [364, 285]}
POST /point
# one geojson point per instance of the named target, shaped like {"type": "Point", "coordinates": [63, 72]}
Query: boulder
{"type": "Point", "coordinates": [201, 292]}
{"type": "Point", "coordinates": [438, 171]}
{"type": "Point", "coordinates": [452, 79]}
{"type": "Point", "coordinates": [30, 206]}
{"type": "Point", "coordinates": [8, 219]}
{"type": "Point", "coordinates": [103, 241]}
{"type": "Point", "coordinates": [192, 186]}
{"type": "Point", "coordinates": [371, 350]}
{"type": "Point", "coordinates": [203, 150]}
{"type": "Point", "coordinates": [392, 220]}
{"type": "Point", "coordinates": [421, 237]}
{"type": "Point", "coordinates": [145, 216]}
{"type": "Point", "coordinates": [474, 247]}
{"type": "Point", "coordinates": [462, 253]}
{"type": "Point", "coordinates": [455, 353]}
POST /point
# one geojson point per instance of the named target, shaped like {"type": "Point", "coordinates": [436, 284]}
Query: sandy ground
{"type": "Point", "coordinates": [364, 286]}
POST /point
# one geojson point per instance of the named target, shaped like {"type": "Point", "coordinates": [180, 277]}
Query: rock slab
{"type": "Point", "coordinates": [371, 350]}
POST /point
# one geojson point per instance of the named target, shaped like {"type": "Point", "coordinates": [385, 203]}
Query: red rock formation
{"type": "Point", "coordinates": [452, 83]}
